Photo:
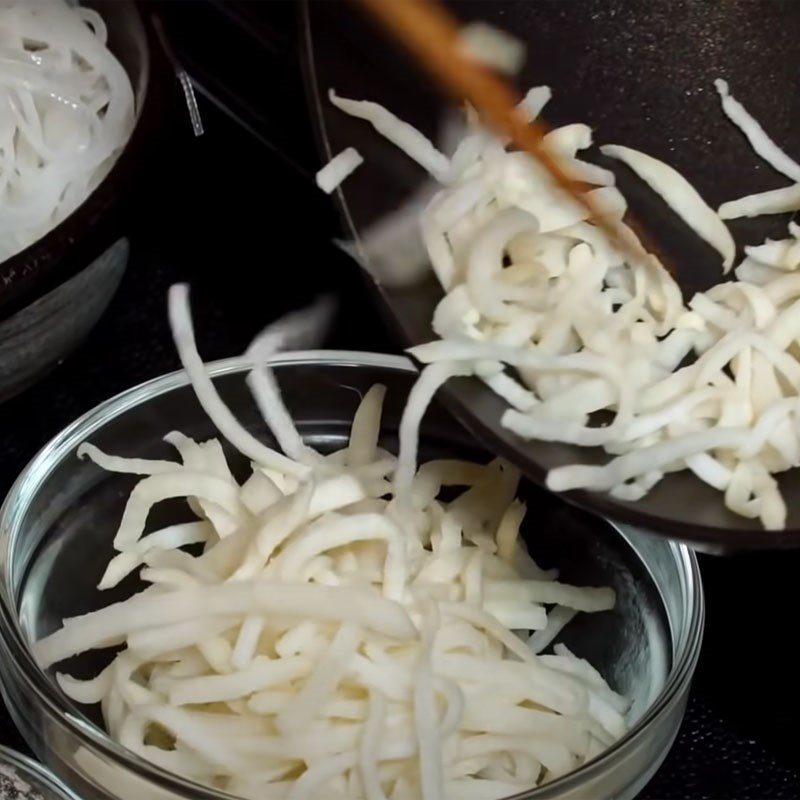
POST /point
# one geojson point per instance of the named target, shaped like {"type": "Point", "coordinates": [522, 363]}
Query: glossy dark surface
{"type": "Point", "coordinates": [641, 73]}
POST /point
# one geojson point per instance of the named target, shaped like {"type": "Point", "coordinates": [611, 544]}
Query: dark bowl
{"type": "Point", "coordinates": [53, 291]}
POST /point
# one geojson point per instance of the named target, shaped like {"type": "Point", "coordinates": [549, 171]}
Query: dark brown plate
{"type": "Point", "coordinates": [641, 73]}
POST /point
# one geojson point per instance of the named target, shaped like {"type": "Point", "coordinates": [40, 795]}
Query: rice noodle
{"type": "Point", "coordinates": [297, 330]}
{"type": "Point", "coordinates": [557, 620]}
{"type": "Point", "coordinates": [421, 395]}
{"type": "Point", "coordinates": [134, 466]}
{"type": "Point", "coordinates": [67, 110]}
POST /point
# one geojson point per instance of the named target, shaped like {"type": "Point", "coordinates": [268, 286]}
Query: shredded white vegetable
{"type": "Point", "coordinates": [331, 635]}
{"type": "Point", "coordinates": [535, 100]}
{"type": "Point", "coordinates": [218, 412]}
{"type": "Point", "coordinates": [775, 201]}
{"type": "Point", "coordinates": [711, 385]}
{"type": "Point", "coordinates": [492, 47]}
{"type": "Point", "coordinates": [297, 330]}
{"type": "Point", "coordinates": [338, 169]}
{"type": "Point", "coordinates": [66, 112]}
{"type": "Point", "coordinates": [400, 133]}
{"type": "Point", "coordinates": [759, 140]}
{"type": "Point", "coordinates": [681, 197]}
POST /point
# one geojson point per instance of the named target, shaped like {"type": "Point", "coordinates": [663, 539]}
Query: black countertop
{"type": "Point", "coordinates": [253, 238]}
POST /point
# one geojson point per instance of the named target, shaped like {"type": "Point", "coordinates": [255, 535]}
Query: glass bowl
{"type": "Point", "coordinates": [21, 778]}
{"type": "Point", "coordinates": [57, 523]}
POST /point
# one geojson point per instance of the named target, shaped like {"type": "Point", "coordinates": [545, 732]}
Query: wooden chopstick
{"type": "Point", "coordinates": [428, 30]}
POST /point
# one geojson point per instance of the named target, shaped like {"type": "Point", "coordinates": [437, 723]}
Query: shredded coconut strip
{"type": "Point", "coordinates": [776, 201]}
{"type": "Point", "coordinates": [492, 47]}
{"type": "Point", "coordinates": [428, 383]}
{"type": "Point", "coordinates": [301, 600]}
{"type": "Point", "coordinates": [400, 133]}
{"type": "Point", "coordinates": [681, 197]}
{"type": "Point", "coordinates": [135, 466]}
{"type": "Point", "coordinates": [183, 334]}
{"type": "Point", "coordinates": [338, 169]}
{"type": "Point", "coordinates": [759, 140]}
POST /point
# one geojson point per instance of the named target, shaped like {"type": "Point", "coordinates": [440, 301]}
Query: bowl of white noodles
{"type": "Point", "coordinates": [292, 577]}
{"type": "Point", "coordinates": [532, 701]}
{"type": "Point", "coordinates": [77, 110]}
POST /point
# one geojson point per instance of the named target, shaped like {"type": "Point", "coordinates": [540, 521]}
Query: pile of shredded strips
{"type": "Point", "coordinates": [345, 633]}
{"type": "Point", "coordinates": [531, 285]}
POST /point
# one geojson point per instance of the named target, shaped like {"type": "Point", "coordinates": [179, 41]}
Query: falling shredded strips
{"type": "Point", "coordinates": [343, 623]}
{"type": "Point", "coordinates": [400, 133]}
{"type": "Point", "coordinates": [492, 47]}
{"type": "Point", "coordinates": [338, 169]}
{"type": "Point", "coordinates": [534, 101]}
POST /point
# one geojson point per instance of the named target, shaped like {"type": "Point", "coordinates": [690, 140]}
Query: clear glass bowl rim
{"type": "Point", "coordinates": [45, 692]}
{"type": "Point", "coordinates": [32, 770]}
